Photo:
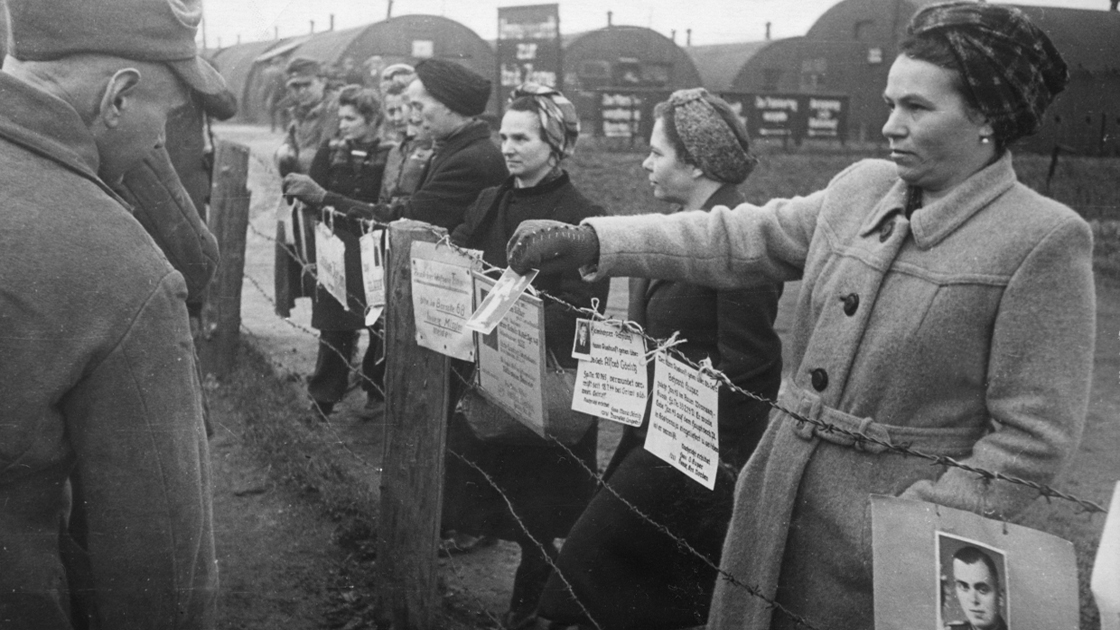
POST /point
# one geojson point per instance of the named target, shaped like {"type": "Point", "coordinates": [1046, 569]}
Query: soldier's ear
{"type": "Point", "coordinates": [120, 89]}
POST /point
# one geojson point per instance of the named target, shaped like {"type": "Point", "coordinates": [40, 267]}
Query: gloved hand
{"type": "Point", "coordinates": [303, 188]}
{"type": "Point", "coordinates": [552, 247]}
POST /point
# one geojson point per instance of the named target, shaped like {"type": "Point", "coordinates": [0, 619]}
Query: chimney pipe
{"type": "Point", "coordinates": [312, 25]}
{"type": "Point", "coordinates": [239, 39]}
{"type": "Point", "coordinates": [610, 18]}
{"type": "Point", "coordinates": [768, 31]}
{"type": "Point", "coordinates": [389, 10]}
{"type": "Point", "coordinates": [1112, 5]}
{"type": "Point", "coordinates": [688, 37]}
{"type": "Point", "coordinates": [332, 23]}
{"type": "Point", "coordinates": [673, 35]}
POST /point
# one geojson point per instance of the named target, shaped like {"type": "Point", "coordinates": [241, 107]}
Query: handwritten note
{"type": "Point", "coordinates": [330, 263]}
{"type": "Point", "coordinates": [612, 382]}
{"type": "Point", "coordinates": [373, 274]}
{"type": "Point", "coordinates": [511, 359]}
{"type": "Point", "coordinates": [683, 427]}
{"type": "Point", "coordinates": [442, 299]}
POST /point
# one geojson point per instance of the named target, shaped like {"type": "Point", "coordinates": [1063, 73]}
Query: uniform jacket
{"type": "Point", "coordinates": [966, 331]}
{"type": "Point", "coordinates": [100, 405]}
{"type": "Point", "coordinates": [347, 170]}
{"type": "Point", "coordinates": [463, 165]}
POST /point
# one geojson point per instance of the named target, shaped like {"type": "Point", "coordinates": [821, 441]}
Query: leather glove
{"type": "Point", "coordinates": [552, 247]}
{"type": "Point", "coordinates": [303, 188]}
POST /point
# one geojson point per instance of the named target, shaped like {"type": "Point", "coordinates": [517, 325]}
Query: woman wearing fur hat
{"type": "Point", "coordinates": [923, 318]}
{"type": "Point", "coordinates": [548, 485]}
{"type": "Point", "coordinates": [624, 571]}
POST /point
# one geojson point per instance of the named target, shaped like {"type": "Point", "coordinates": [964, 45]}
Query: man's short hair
{"type": "Point", "coordinates": [971, 555]}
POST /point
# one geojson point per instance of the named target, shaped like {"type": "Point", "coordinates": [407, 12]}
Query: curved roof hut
{"type": "Point", "coordinates": [625, 60]}
{"type": "Point", "coordinates": [239, 65]}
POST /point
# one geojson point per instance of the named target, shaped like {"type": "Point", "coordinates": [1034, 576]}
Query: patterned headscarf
{"type": "Point", "coordinates": [558, 117]}
{"type": "Point", "coordinates": [713, 145]}
{"type": "Point", "coordinates": [1010, 65]}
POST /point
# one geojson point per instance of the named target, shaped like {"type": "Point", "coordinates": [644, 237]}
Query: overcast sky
{"type": "Point", "coordinates": [711, 21]}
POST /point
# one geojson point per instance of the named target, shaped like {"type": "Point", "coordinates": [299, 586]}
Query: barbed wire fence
{"type": "Point", "coordinates": [856, 438]}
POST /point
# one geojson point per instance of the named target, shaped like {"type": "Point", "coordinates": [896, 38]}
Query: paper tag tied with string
{"type": "Point", "coordinates": [442, 299]}
{"type": "Point", "coordinates": [372, 250]}
{"type": "Point", "coordinates": [611, 381]}
{"type": "Point", "coordinates": [330, 263]}
{"type": "Point", "coordinates": [683, 420]}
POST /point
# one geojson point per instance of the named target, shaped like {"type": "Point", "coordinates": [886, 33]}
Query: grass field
{"type": "Point", "coordinates": [324, 466]}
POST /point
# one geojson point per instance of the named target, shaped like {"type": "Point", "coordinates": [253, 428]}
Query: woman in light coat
{"type": "Point", "coordinates": [944, 306]}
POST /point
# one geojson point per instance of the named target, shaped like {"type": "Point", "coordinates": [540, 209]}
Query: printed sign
{"type": "Point", "coordinates": [937, 567]}
{"type": "Point", "coordinates": [528, 47]}
{"type": "Point", "coordinates": [511, 359]}
{"type": "Point", "coordinates": [793, 116]}
{"type": "Point", "coordinates": [826, 117]}
{"type": "Point", "coordinates": [330, 263]}
{"type": "Point", "coordinates": [508, 288]}
{"type": "Point", "coordinates": [373, 273]}
{"type": "Point", "coordinates": [442, 299]}
{"type": "Point", "coordinates": [683, 426]}
{"type": "Point", "coordinates": [611, 383]}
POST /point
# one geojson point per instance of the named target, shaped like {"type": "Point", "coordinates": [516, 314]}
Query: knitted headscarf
{"type": "Point", "coordinates": [1011, 67]}
{"type": "Point", "coordinates": [462, 90]}
{"type": "Point", "coordinates": [558, 117]}
{"type": "Point", "coordinates": [713, 145]}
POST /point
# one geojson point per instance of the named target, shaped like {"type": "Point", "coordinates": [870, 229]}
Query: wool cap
{"type": "Point", "coordinates": [157, 31]}
{"type": "Point", "coordinates": [715, 144]}
{"type": "Point", "coordinates": [558, 118]}
{"type": "Point", "coordinates": [1010, 65]}
{"type": "Point", "coordinates": [460, 89]}
{"type": "Point", "coordinates": [302, 68]}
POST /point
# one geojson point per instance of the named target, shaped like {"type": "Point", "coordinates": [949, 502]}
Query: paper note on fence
{"type": "Point", "coordinates": [612, 383]}
{"type": "Point", "coordinates": [373, 274]}
{"type": "Point", "coordinates": [1105, 582]}
{"type": "Point", "coordinates": [499, 300]}
{"type": "Point", "coordinates": [442, 299]}
{"type": "Point", "coordinates": [330, 263]}
{"type": "Point", "coordinates": [683, 426]}
{"type": "Point", "coordinates": [511, 359]}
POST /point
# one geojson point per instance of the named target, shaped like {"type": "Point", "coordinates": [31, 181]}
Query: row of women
{"type": "Point", "coordinates": [943, 306]}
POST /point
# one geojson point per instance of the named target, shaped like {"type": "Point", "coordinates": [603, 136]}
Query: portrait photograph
{"type": "Point", "coordinates": [581, 343]}
{"type": "Point", "coordinates": [971, 582]}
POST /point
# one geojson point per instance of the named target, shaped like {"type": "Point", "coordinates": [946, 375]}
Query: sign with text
{"type": "Point", "coordinates": [611, 383]}
{"type": "Point", "coordinates": [442, 299]}
{"type": "Point", "coordinates": [511, 359]}
{"type": "Point", "coordinates": [528, 47]}
{"type": "Point", "coordinates": [683, 427]}
{"type": "Point", "coordinates": [372, 249]}
{"type": "Point", "coordinates": [793, 116]}
{"type": "Point", "coordinates": [330, 263]}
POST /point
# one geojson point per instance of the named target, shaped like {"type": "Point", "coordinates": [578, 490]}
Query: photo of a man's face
{"type": "Point", "coordinates": [974, 574]}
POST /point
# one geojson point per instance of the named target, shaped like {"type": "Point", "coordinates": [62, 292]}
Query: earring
{"type": "Point", "coordinates": [985, 139]}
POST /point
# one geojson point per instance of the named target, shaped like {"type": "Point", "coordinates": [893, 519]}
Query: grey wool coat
{"type": "Point", "coordinates": [966, 330]}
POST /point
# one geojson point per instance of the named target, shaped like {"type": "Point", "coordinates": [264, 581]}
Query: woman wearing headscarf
{"type": "Point", "coordinates": [344, 169]}
{"type": "Point", "coordinates": [547, 485]}
{"type": "Point", "coordinates": [943, 305]}
{"type": "Point", "coordinates": [624, 571]}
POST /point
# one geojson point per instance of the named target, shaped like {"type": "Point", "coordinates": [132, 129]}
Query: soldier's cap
{"type": "Point", "coordinates": [302, 70]}
{"type": "Point", "coordinates": [155, 31]}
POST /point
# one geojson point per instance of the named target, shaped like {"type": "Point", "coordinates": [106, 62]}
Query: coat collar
{"type": "Point", "coordinates": [461, 137]}
{"type": "Point", "coordinates": [727, 195]}
{"type": "Point", "coordinates": [933, 223]}
{"type": "Point", "coordinates": [47, 125]}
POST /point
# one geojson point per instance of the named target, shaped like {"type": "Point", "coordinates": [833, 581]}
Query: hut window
{"type": "Point", "coordinates": [627, 72]}
{"type": "Point", "coordinates": [595, 69]}
{"type": "Point", "coordinates": [861, 29]}
{"type": "Point", "coordinates": [770, 79]}
{"type": "Point", "coordinates": [874, 55]}
{"type": "Point", "coordinates": [813, 73]}
{"type": "Point", "coordinates": [423, 48]}
{"type": "Point", "coordinates": [655, 74]}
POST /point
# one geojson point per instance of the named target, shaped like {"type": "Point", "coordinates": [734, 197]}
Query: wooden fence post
{"type": "Point", "coordinates": [229, 221]}
{"type": "Point", "coordinates": [417, 390]}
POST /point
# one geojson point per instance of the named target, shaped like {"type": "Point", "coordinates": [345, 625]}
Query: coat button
{"type": "Point", "coordinates": [885, 231]}
{"type": "Point", "coordinates": [851, 304]}
{"type": "Point", "coordinates": [819, 378]}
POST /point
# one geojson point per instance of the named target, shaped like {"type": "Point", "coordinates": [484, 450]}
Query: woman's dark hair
{"type": "Point", "coordinates": [362, 99]}
{"type": "Point", "coordinates": [664, 112]}
{"type": "Point", "coordinates": [936, 50]}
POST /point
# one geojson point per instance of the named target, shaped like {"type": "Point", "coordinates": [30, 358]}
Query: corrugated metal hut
{"type": "Point", "coordinates": [240, 66]}
{"type": "Point", "coordinates": [636, 64]}
{"type": "Point", "coordinates": [405, 38]}
{"type": "Point", "coordinates": [850, 48]}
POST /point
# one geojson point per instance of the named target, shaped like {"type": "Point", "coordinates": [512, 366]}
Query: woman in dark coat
{"type": "Point", "coordinates": [625, 571]}
{"type": "Point", "coordinates": [348, 168]}
{"type": "Point", "coordinates": [547, 486]}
